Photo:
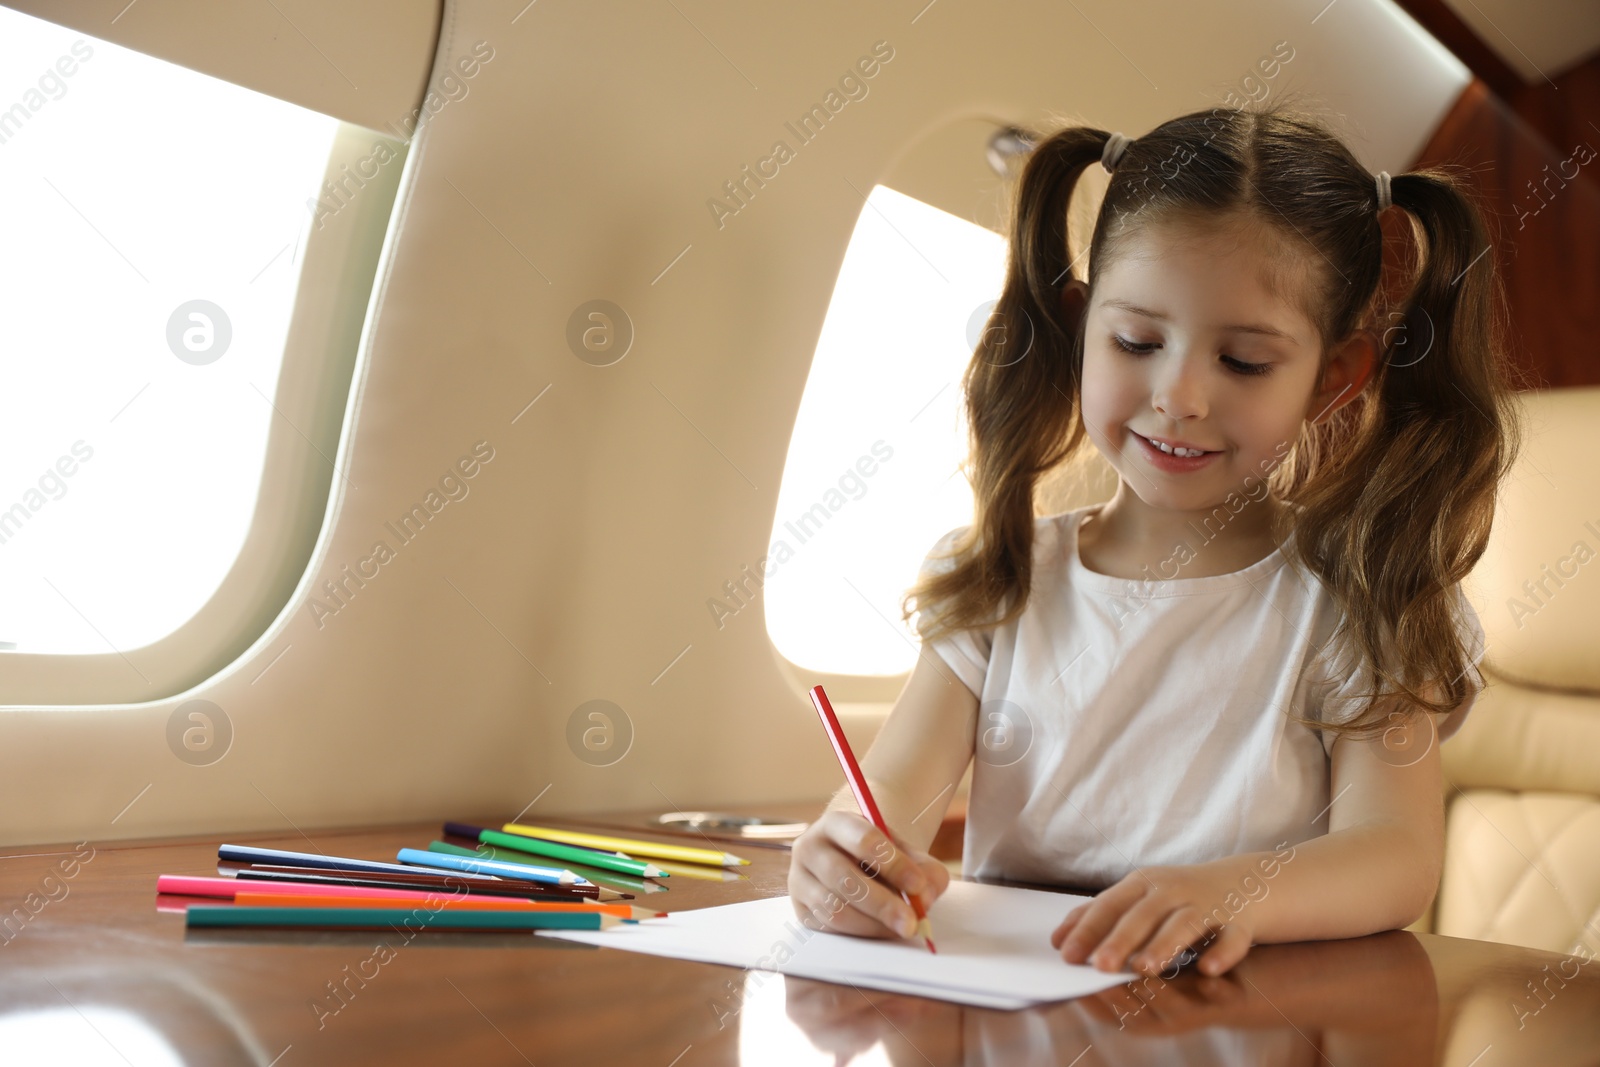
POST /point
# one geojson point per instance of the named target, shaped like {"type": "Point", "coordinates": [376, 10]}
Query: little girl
{"type": "Point", "coordinates": [1216, 699]}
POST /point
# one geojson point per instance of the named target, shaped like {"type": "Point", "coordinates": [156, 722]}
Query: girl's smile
{"type": "Point", "coordinates": [1173, 455]}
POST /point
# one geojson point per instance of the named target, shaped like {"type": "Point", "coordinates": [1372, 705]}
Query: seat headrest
{"type": "Point", "coordinates": [1537, 587]}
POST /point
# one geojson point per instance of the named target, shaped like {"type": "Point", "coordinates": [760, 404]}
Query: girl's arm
{"type": "Point", "coordinates": [912, 768]}
{"type": "Point", "coordinates": [920, 753]}
{"type": "Point", "coordinates": [1376, 869]}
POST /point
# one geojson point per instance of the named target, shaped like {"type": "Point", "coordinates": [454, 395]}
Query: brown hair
{"type": "Point", "coordinates": [1392, 496]}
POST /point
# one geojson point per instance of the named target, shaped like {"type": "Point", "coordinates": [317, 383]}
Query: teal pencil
{"type": "Point", "coordinates": [394, 918]}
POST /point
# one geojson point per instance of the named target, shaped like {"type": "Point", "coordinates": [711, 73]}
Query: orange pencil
{"type": "Point", "coordinates": [858, 786]}
{"type": "Point", "coordinates": [440, 903]}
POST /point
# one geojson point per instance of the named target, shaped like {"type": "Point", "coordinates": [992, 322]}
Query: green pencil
{"type": "Point", "coordinates": [572, 854]}
{"type": "Point", "coordinates": [609, 879]}
{"type": "Point", "coordinates": [395, 918]}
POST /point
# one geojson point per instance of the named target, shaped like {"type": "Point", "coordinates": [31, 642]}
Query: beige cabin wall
{"type": "Point", "coordinates": [579, 565]}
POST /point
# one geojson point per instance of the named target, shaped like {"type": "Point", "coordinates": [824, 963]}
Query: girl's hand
{"type": "Point", "coordinates": [845, 878]}
{"type": "Point", "coordinates": [1147, 919]}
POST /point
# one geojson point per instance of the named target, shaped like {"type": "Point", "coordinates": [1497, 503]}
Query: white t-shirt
{"type": "Point", "coordinates": [1128, 723]}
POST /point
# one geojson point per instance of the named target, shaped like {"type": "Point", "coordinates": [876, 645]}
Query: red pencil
{"type": "Point", "coordinates": [858, 786]}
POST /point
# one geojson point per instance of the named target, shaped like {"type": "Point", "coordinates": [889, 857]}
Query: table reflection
{"type": "Point", "coordinates": [154, 1016]}
{"type": "Point", "coordinates": [1372, 1000]}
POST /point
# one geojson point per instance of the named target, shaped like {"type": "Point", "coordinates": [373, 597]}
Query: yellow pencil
{"type": "Point", "coordinates": [641, 848]}
{"type": "Point", "coordinates": [704, 872]}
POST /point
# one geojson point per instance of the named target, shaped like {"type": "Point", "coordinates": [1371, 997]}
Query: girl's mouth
{"type": "Point", "coordinates": [1174, 458]}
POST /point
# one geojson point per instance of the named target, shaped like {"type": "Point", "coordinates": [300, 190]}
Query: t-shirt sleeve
{"type": "Point", "coordinates": [966, 652]}
{"type": "Point", "coordinates": [1347, 679]}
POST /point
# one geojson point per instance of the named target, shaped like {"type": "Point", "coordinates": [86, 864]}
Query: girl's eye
{"type": "Point", "coordinates": [1144, 348]}
{"type": "Point", "coordinates": [1239, 366]}
{"type": "Point", "coordinates": [1130, 346]}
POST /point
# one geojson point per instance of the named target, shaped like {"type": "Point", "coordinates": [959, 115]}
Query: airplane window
{"type": "Point", "coordinates": [154, 224]}
{"type": "Point", "coordinates": [872, 477]}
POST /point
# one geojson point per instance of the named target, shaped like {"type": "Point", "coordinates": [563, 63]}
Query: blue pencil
{"type": "Point", "coordinates": [526, 871]}
{"type": "Point", "coordinates": [278, 857]}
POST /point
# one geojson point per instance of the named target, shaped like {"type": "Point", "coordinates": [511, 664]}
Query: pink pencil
{"type": "Point", "coordinates": [201, 886]}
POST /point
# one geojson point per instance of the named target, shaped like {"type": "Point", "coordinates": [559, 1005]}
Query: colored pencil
{"type": "Point", "coordinates": [611, 878]}
{"type": "Point", "coordinates": [251, 854]}
{"type": "Point", "coordinates": [702, 872]}
{"type": "Point", "coordinates": [501, 887]}
{"type": "Point", "coordinates": [228, 888]}
{"type": "Point", "coordinates": [467, 834]}
{"type": "Point", "coordinates": [527, 872]}
{"type": "Point", "coordinates": [858, 786]}
{"type": "Point", "coordinates": [471, 831]}
{"type": "Point", "coordinates": [434, 901]}
{"type": "Point", "coordinates": [582, 870]}
{"type": "Point", "coordinates": [606, 861]}
{"type": "Point", "coordinates": [211, 915]}
{"type": "Point", "coordinates": [751, 838]}
{"type": "Point", "coordinates": [633, 847]}
{"type": "Point", "coordinates": [234, 888]}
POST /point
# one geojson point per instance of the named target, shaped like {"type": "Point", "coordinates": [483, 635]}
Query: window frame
{"type": "Point", "coordinates": [324, 348]}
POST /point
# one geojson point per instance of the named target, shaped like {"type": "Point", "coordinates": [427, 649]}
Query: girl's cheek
{"type": "Point", "coordinates": [1102, 428]}
{"type": "Point", "coordinates": [1098, 395]}
{"type": "Point", "coordinates": [1106, 407]}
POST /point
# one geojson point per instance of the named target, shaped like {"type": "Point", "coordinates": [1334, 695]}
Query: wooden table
{"type": "Point", "coordinates": [92, 972]}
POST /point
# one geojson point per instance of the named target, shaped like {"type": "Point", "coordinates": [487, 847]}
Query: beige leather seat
{"type": "Point", "coordinates": [1522, 852]}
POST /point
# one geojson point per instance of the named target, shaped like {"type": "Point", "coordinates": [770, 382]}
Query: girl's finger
{"type": "Point", "coordinates": [1231, 946]}
{"type": "Point", "coordinates": [1066, 925]}
{"type": "Point", "coordinates": [868, 897]}
{"type": "Point", "coordinates": [1180, 930]}
{"type": "Point", "coordinates": [1099, 917]}
{"type": "Point", "coordinates": [875, 855]}
{"type": "Point", "coordinates": [938, 876]}
{"type": "Point", "coordinates": [1130, 933]}
{"type": "Point", "coordinates": [813, 901]}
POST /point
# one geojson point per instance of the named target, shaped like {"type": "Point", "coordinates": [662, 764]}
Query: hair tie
{"type": "Point", "coordinates": [1116, 144]}
{"type": "Point", "coordinates": [1384, 200]}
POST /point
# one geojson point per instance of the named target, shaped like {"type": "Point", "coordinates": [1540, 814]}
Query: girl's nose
{"type": "Point", "coordinates": [1178, 391]}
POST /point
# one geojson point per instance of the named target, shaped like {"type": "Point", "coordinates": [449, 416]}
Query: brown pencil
{"type": "Point", "coordinates": [502, 888]}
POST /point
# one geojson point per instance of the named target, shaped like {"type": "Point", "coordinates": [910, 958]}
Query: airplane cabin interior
{"type": "Point", "coordinates": [450, 442]}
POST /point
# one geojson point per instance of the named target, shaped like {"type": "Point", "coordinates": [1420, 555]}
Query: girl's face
{"type": "Point", "coordinates": [1197, 369]}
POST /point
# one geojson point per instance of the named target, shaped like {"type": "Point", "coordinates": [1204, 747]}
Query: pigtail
{"type": "Point", "coordinates": [1021, 395]}
{"type": "Point", "coordinates": [1400, 509]}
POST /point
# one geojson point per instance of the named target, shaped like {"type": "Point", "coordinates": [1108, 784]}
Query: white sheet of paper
{"type": "Point", "coordinates": [993, 942]}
